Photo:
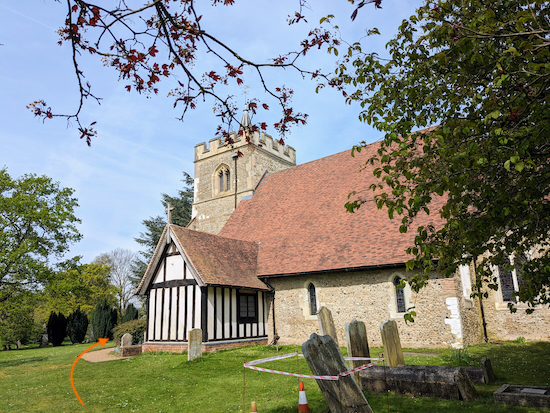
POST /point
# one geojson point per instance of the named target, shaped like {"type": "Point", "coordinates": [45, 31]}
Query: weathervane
{"type": "Point", "coordinates": [245, 87]}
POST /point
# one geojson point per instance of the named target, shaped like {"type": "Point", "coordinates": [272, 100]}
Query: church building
{"type": "Point", "coordinates": [270, 242]}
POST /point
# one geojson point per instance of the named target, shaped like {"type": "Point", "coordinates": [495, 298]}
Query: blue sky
{"type": "Point", "coordinates": [141, 148]}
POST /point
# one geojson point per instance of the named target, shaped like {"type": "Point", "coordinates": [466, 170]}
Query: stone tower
{"type": "Point", "coordinates": [227, 173]}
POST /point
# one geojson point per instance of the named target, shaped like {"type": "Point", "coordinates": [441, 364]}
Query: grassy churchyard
{"type": "Point", "coordinates": [38, 380]}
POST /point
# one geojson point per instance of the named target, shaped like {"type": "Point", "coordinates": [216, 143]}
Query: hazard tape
{"type": "Point", "coordinates": [252, 365]}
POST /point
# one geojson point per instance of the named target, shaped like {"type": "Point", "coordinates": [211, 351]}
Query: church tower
{"type": "Point", "coordinates": [227, 173]}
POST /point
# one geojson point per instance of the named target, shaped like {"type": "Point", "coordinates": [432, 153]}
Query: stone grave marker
{"type": "Point", "coordinates": [358, 345]}
{"type": "Point", "coordinates": [194, 347]}
{"type": "Point", "coordinates": [126, 340]}
{"type": "Point", "coordinates": [44, 340]}
{"type": "Point", "coordinates": [392, 345]}
{"type": "Point", "coordinates": [324, 359]}
{"type": "Point", "coordinates": [326, 324]}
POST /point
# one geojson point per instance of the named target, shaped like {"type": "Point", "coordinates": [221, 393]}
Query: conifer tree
{"type": "Point", "coordinates": [130, 314]}
{"type": "Point", "coordinates": [77, 325]}
{"type": "Point", "coordinates": [57, 328]}
{"type": "Point", "coordinates": [104, 319]}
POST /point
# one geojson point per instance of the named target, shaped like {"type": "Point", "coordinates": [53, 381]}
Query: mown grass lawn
{"type": "Point", "coordinates": [38, 380]}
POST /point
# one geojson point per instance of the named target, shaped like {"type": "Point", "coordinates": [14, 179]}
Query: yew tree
{"type": "Point", "coordinates": [480, 71]}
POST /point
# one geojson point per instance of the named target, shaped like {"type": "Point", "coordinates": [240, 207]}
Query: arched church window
{"type": "Point", "coordinates": [312, 299]}
{"type": "Point", "coordinates": [223, 180]}
{"type": "Point", "coordinates": [399, 295]}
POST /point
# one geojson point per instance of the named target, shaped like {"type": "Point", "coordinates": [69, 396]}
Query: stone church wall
{"type": "Point", "coordinates": [370, 297]}
{"type": "Point", "coordinates": [504, 325]}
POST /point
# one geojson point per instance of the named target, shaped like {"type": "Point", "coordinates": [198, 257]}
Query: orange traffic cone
{"type": "Point", "coordinates": [253, 408]}
{"type": "Point", "coordinates": [302, 401]}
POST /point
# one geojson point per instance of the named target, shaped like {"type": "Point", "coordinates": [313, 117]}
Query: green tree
{"type": "Point", "coordinates": [17, 319]}
{"type": "Point", "coordinates": [77, 326]}
{"type": "Point", "coordinates": [480, 70]}
{"type": "Point", "coordinates": [181, 215]}
{"type": "Point", "coordinates": [76, 285]}
{"type": "Point", "coordinates": [37, 225]}
{"type": "Point", "coordinates": [104, 319]}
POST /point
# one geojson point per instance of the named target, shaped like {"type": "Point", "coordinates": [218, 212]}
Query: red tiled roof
{"type": "Point", "coordinates": [299, 219]}
{"type": "Point", "coordinates": [219, 260]}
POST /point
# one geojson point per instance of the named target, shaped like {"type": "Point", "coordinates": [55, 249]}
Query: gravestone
{"type": "Point", "coordinates": [358, 345]}
{"type": "Point", "coordinates": [392, 345]}
{"type": "Point", "coordinates": [487, 368]}
{"type": "Point", "coordinates": [194, 347]}
{"type": "Point", "coordinates": [326, 324]}
{"type": "Point", "coordinates": [44, 340]}
{"type": "Point", "coordinates": [324, 359]}
{"type": "Point", "coordinates": [126, 340]}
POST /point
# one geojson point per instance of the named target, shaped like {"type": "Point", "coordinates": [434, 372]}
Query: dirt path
{"type": "Point", "coordinates": [102, 355]}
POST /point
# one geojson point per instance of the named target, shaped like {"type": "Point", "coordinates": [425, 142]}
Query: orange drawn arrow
{"type": "Point", "coordinates": [101, 341]}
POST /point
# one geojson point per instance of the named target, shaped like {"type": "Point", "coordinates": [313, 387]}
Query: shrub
{"type": "Point", "coordinates": [131, 313]}
{"type": "Point", "coordinates": [104, 319]}
{"type": "Point", "coordinates": [135, 327]}
{"type": "Point", "coordinates": [77, 325]}
{"type": "Point", "coordinates": [57, 328]}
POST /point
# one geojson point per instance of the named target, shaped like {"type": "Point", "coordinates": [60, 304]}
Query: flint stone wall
{"type": "Point", "coordinates": [369, 296]}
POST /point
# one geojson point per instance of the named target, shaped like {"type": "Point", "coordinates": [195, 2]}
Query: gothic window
{"type": "Point", "coordinates": [312, 299]}
{"type": "Point", "coordinates": [399, 296]}
{"type": "Point", "coordinates": [506, 282]}
{"type": "Point", "coordinates": [223, 180]}
{"type": "Point", "coordinates": [510, 280]}
{"type": "Point", "coordinates": [248, 308]}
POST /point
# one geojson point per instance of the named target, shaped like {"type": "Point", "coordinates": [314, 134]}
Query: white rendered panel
{"type": "Point", "coordinates": [166, 314]}
{"type": "Point", "coordinates": [151, 315]}
{"type": "Point", "coordinates": [189, 303]}
{"type": "Point", "coordinates": [181, 315]}
{"type": "Point", "coordinates": [159, 277]}
{"type": "Point", "coordinates": [198, 306]}
{"type": "Point", "coordinates": [210, 313]}
{"type": "Point", "coordinates": [219, 313]}
{"type": "Point", "coordinates": [158, 313]}
{"type": "Point", "coordinates": [234, 309]}
{"type": "Point", "coordinates": [227, 317]}
{"type": "Point", "coordinates": [248, 329]}
{"type": "Point", "coordinates": [261, 324]}
{"type": "Point", "coordinates": [174, 268]}
{"type": "Point", "coordinates": [241, 330]}
{"type": "Point", "coordinates": [173, 312]}
{"type": "Point", "coordinates": [186, 274]}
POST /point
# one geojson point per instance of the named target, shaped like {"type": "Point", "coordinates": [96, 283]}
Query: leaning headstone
{"type": "Point", "coordinates": [194, 347]}
{"type": "Point", "coordinates": [326, 324]}
{"type": "Point", "coordinates": [358, 345]}
{"type": "Point", "coordinates": [324, 359]}
{"type": "Point", "coordinates": [488, 373]}
{"type": "Point", "coordinates": [126, 340]}
{"type": "Point", "coordinates": [465, 386]}
{"type": "Point", "coordinates": [392, 345]}
{"type": "Point", "coordinates": [18, 344]}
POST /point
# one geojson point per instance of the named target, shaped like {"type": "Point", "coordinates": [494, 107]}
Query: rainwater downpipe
{"type": "Point", "coordinates": [483, 322]}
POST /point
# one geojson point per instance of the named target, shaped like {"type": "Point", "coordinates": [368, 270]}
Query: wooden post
{"type": "Point", "coordinates": [326, 324]}
{"type": "Point", "coordinates": [392, 345]}
{"type": "Point", "coordinates": [324, 359]}
{"type": "Point", "coordinates": [358, 345]}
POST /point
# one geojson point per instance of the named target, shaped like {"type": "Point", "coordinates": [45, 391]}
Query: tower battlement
{"type": "Point", "coordinates": [262, 141]}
